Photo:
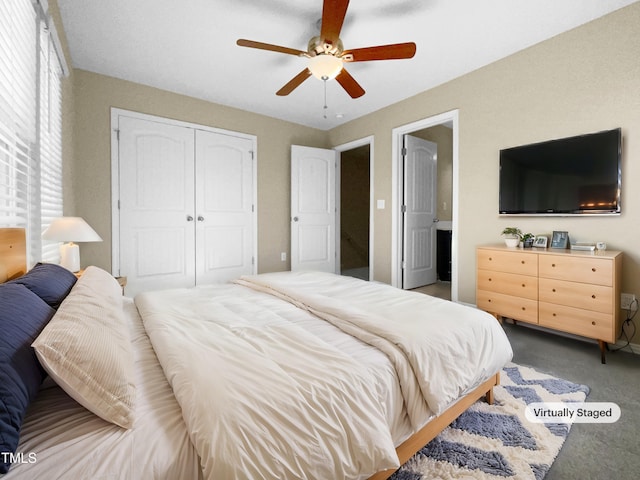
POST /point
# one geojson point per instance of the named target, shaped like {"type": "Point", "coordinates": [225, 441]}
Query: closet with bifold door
{"type": "Point", "coordinates": [186, 208]}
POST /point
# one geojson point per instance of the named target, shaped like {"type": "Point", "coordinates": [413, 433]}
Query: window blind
{"type": "Point", "coordinates": [50, 142]}
{"type": "Point", "coordinates": [30, 125]}
{"type": "Point", "coordinates": [17, 110]}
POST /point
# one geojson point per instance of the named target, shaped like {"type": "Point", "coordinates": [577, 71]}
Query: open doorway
{"type": "Point", "coordinates": [442, 130]}
{"type": "Point", "coordinates": [353, 203]}
{"type": "Point", "coordinates": [354, 212]}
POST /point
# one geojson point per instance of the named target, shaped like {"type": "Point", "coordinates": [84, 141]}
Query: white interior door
{"type": "Point", "coordinates": [313, 209]}
{"type": "Point", "coordinates": [419, 212]}
{"type": "Point", "coordinates": [157, 237]}
{"type": "Point", "coordinates": [224, 207]}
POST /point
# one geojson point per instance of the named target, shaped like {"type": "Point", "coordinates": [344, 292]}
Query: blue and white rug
{"type": "Point", "coordinates": [497, 441]}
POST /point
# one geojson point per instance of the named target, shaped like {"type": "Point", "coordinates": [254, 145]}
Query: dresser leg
{"type": "Point", "coordinates": [603, 348]}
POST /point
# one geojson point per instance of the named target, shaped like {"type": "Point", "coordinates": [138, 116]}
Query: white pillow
{"type": "Point", "coordinates": [87, 350]}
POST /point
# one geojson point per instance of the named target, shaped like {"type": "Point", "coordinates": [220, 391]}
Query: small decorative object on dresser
{"type": "Point", "coordinates": [541, 241]}
{"type": "Point", "coordinates": [511, 236]}
{"type": "Point", "coordinates": [560, 239]}
{"type": "Point", "coordinates": [527, 239]}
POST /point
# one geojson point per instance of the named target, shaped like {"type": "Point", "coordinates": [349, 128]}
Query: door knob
{"type": "Point", "coordinates": [200, 218]}
{"type": "Point", "coordinates": [189, 218]}
{"type": "Point", "coordinates": [295, 219]}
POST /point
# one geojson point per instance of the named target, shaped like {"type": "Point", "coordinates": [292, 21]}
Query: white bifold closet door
{"type": "Point", "coordinates": [186, 205]}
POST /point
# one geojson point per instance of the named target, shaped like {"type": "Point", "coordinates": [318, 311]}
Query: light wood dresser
{"type": "Point", "coordinates": [571, 291]}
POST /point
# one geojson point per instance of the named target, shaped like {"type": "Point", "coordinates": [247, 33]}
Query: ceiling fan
{"type": "Point", "coordinates": [327, 55]}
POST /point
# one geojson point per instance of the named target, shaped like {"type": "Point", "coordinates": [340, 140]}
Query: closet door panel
{"type": "Point", "coordinates": [157, 239]}
{"type": "Point", "coordinates": [224, 207]}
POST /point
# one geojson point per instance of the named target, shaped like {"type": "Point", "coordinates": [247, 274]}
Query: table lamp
{"type": "Point", "coordinates": [70, 229]}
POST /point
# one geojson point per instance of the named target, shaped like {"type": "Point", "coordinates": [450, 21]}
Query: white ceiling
{"type": "Point", "coordinates": [188, 46]}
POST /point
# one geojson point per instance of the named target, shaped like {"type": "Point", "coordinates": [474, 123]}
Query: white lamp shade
{"type": "Point", "coordinates": [325, 66]}
{"type": "Point", "coordinates": [70, 229]}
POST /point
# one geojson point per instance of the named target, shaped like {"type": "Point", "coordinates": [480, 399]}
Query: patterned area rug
{"type": "Point", "coordinates": [496, 441]}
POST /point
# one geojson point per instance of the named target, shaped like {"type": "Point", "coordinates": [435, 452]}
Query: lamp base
{"type": "Point", "coordinates": [70, 256]}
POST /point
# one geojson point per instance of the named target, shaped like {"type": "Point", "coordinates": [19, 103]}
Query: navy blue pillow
{"type": "Point", "coordinates": [51, 282]}
{"type": "Point", "coordinates": [23, 315]}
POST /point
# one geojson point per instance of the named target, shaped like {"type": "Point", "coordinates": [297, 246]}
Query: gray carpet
{"type": "Point", "coordinates": [592, 451]}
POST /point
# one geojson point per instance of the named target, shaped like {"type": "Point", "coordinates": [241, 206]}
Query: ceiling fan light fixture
{"type": "Point", "coordinates": [325, 66]}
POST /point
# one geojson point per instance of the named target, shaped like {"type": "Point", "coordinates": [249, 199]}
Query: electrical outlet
{"type": "Point", "coordinates": [283, 256]}
{"type": "Point", "coordinates": [627, 301]}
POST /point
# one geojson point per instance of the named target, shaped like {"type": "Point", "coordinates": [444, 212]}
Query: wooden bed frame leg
{"type": "Point", "coordinates": [489, 397]}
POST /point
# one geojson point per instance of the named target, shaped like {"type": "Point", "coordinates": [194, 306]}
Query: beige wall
{"type": "Point", "coordinates": [94, 95]}
{"type": "Point", "coordinates": [582, 81]}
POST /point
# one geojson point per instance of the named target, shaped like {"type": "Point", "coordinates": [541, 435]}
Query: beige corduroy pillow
{"type": "Point", "coordinates": [86, 348]}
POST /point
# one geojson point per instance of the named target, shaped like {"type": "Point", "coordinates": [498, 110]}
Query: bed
{"type": "Point", "coordinates": [282, 375]}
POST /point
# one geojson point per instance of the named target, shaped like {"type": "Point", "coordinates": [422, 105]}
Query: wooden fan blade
{"type": "Point", "coordinates": [267, 46]}
{"type": "Point", "coordinates": [294, 83]}
{"type": "Point", "coordinates": [333, 13]}
{"type": "Point", "coordinates": [349, 83]}
{"type": "Point", "coordinates": [382, 52]}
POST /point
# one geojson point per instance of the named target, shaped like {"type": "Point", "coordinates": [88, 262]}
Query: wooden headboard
{"type": "Point", "coordinates": [13, 253]}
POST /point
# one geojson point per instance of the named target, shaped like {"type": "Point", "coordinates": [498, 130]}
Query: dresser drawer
{"type": "Point", "coordinates": [508, 283]}
{"type": "Point", "coordinates": [597, 298]}
{"type": "Point", "coordinates": [509, 262]}
{"type": "Point", "coordinates": [577, 269]}
{"type": "Point", "coordinates": [518, 308]}
{"type": "Point", "coordinates": [577, 321]}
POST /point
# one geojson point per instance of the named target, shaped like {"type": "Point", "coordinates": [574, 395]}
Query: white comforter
{"type": "Point", "coordinates": [261, 397]}
{"type": "Point", "coordinates": [264, 398]}
{"type": "Point", "coordinates": [441, 350]}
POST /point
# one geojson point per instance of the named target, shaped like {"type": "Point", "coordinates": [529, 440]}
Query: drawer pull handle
{"type": "Point", "coordinates": [593, 296]}
{"type": "Point", "coordinates": [522, 262]}
{"type": "Point", "coordinates": [523, 309]}
{"type": "Point", "coordinates": [553, 265]}
{"type": "Point", "coordinates": [490, 258]}
{"type": "Point", "coordinates": [593, 269]}
{"type": "Point", "coordinates": [489, 278]}
{"type": "Point", "coordinates": [553, 290]}
{"type": "Point", "coordinates": [593, 323]}
{"type": "Point", "coordinates": [553, 314]}
{"type": "Point", "coordinates": [523, 285]}
{"type": "Point", "coordinates": [489, 300]}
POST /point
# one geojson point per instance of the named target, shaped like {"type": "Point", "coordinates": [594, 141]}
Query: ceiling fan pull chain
{"type": "Point", "coordinates": [325, 96]}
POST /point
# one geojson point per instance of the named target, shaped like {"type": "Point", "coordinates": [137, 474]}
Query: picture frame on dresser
{"type": "Point", "coordinates": [560, 239]}
{"type": "Point", "coordinates": [541, 241]}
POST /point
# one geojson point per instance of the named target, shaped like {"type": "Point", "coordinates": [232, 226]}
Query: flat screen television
{"type": "Point", "coordinates": [568, 176]}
